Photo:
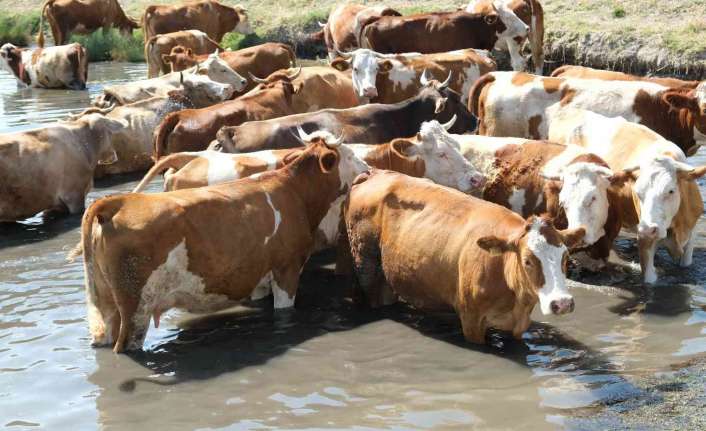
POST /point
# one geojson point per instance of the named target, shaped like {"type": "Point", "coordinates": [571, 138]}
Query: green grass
{"type": "Point", "coordinates": [619, 12]}
{"type": "Point", "coordinates": [111, 45]}
{"type": "Point", "coordinates": [18, 29]}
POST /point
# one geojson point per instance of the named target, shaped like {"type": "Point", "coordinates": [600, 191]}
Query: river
{"type": "Point", "coordinates": [325, 365]}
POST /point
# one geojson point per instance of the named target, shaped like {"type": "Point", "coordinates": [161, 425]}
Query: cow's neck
{"type": "Point", "coordinates": [18, 67]}
{"type": "Point", "coordinates": [516, 280]}
{"type": "Point", "coordinates": [316, 189]}
{"type": "Point", "coordinates": [677, 124]}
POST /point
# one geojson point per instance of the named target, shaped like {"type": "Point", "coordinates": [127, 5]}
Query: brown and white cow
{"type": "Point", "coordinates": [51, 169]}
{"type": "Point", "coordinates": [440, 249]}
{"type": "Point", "coordinates": [260, 60]}
{"type": "Point", "coordinates": [522, 105]}
{"type": "Point", "coordinates": [209, 16]}
{"type": "Point", "coordinates": [342, 30]}
{"type": "Point", "coordinates": [82, 17]}
{"type": "Point", "coordinates": [662, 201]}
{"type": "Point", "coordinates": [147, 253]}
{"type": "Point", "coordinates": [392, 78]}
{"type": "Point", "coordinates": [203, 81]}
{"type": "Point", "coordinates": [440, 32]}
{"type": "Point", "coordinates": [531, 13]}
{"type": "Point", "coordinates": [583, 72]}
{"type": "Point", "coordinates": [567, 182]}
{"type": "Point", "coordinates": [161, 45]}
{"type": "Point", "coordinates": [64, 66]}
{"type": "Point", "coordinates": [373, 123]}
{"type": "Point", "coordinates": [280, 94]}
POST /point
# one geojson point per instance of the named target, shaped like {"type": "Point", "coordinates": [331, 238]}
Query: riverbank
{"type": "Point", "coordinates": [638, 36]}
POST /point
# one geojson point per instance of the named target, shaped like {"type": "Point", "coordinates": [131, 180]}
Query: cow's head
{"type": "Point", "coordinates": [365, 65]}
{"type": "Point", "coordinates": [542, 258]}
{"type": "Point", "coordinates": [510, 31]}
{"type": "Point", "coordinates": [447, 103]}
{"type": "Point", "coordinates": [202, 90]}
{"type": "Point", "coordinates": [225, 140]}
{"type": "Point", "coordinates": [695, 102]}
{"type": "Point", "coordinates": [180, 58]}
{"type": "Point", "coordinates": [243, 25]}
{"type": "Point", "coordinates": [102, 128]}
{"type": "Point", "coordinates": [583, 194]}
{"type": "Point", "coordinates": [10, 57]}
{"type": "Point", "coordinates": [656, 190]}
{"type": "Point", "coordinates": [218, 70]}
{"type": "Point", "coordinates": [443, 162]}
{"type": "Point", "coordinates": [279, 79]}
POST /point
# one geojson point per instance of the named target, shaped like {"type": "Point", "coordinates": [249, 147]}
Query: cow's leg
{"type": "Point", "coordinates": [284, 285]}
{"type": "Point", "coordinates": [473, 325]}
{"type": "Point", "coordinates": [688, 256]}
{"type": "Point", "coordinates": [133, 322]}
{"type": "Point", "coordinates": [368, 278]}
{"type": "Point", "coordinates": [647, 248]}
{"type": "Point", "coordinates": [103, 315]}
{"type": "Point", "coordinates": [516, 59]}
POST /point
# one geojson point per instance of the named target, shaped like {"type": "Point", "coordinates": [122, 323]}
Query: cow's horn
{"type": "Point", "coordinates": [343, 54]}
{"type": "Point", "coordinates": [256, 79]}
{"type": "Point", "coordinates": [424, 80]}
{"type": "Point", "coordinates": [450, 124]}
{"type": "Point", "coordinates": [295, 74]}
{"type": "Point", "coordinates": [446, 82]}
{"type": "Point", "coordinates": [335, 142]}
{"type": "Point", "coordinates": [303, 136]}
{"type": "Point", "coordinates": [550, 177]}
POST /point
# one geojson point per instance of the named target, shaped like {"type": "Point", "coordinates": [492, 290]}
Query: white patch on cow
{"type": "Point", "coordinates": [361, 150]}
{"type": "Point", "coordinates": [330, 223]}
{"type": "Point", "coordinates": [550, 257]}
{"type": "Point", "coordinates": [281, 297]}
{"type": "Point", "coordinates": [220, 167]}
{"type": "Point", "coordinates": [480, 150]}
{"type": "Point", "coordinates": [540, 200]}
{"type": "Point", "coordinates": [277, 215]}
{"type": "Point", "coordinates": [401, 76]}
{"type": "Point", "coordinates": [219, 70]}
{"type": "Point", "coordinates": [584, 197]}
{"type": "Point", "coordinates": [267, 156]}
{"type": "Point", "coordinates": [687, 257]}
{"type": "Point", "coordinates": [470, 76]}
{"type": "Point", "coordinates": [26, 59]}
{"type": "Point", "coordinates": [256, 176]}
{"type": "Point", "coordinates": [657, 189]}
{"type": "Point", "coordinates": [173, 285]}
{"type": "Point", "coordinates": [555, 166]}
{"type": "Point", "coordinates": [349, 165]}
{"type": "Point", "coordinates": [263, 288]}
{"type": "Point", "coordinates": [517, 200]}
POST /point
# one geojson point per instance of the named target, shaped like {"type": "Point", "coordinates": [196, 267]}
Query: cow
{"type": "Point", "coordinates": [82, 17]}
{"type": "Point", "coordinates": [194, 129]}
{"type": "Point", "coordinates": [431, 154]}
{"type": "Point", "coordinates": [204, 80]}
{"type": "Point", "coordinates": [147, 253]}
{"type": "Point", "coordinates": [392, 78]}
{"type": "Point", "coordinates": [522, 105]}
{"type": "Point", "coordinates": [373, 123]}
{"type": "Point", "coordinates": [583, 72]}
{"type": "Point", "coordinates": [440, 32]}
{"type": "Point", "coordinates": [661, 202]}
{"type": "Point", "coordinates": [50, 169]}
{"type": "Point", "coordinates": [440, 249]}
{"type": "Point", "coordinates": [574, 187]}
{"type": "Point", "coordinates": [64, 66]}
{"type": "Point", "coordinates": [260, 60]}
{"type": "Point", "coordinates": [531, 13]}
{"type": "Point", "coordinates": [209, 16]}
{"type": "Point", "coordinates": [342, 30]}
{"type": "Point", "coordinates": [161, 45]}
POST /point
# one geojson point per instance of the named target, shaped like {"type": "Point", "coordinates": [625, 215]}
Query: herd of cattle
{"type": "Point", "coordinates": [449, 192]}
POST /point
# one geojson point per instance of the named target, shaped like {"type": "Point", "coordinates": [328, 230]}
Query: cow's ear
{"type": "Point", "coordinates": [340, 64]}
{"type": "Point", "coordinates": [620, 178]}
{"type": "Point", "coordinates": [166, 58]}
{"type": "Point", "coordinates": [491, 18]}
{"type": "Point", "coordinates": [327, 161]}
{"type": "Point", "coordinates": [572, 237]}
{"type": "Point", "coordinates": [495, 246]}
{"type": "Point", "coordinates": [289, 158]}
{"type": "Point", "coordinates": [404, 148]}
{"type": "Point", "coordinates": [680, 100]}
{"type": "Point", "coordinates": [385, 66]}
{"type": "Point", "coordinates": [691, 174]}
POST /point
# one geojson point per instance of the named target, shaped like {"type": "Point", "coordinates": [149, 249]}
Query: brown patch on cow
{"type": "Point", "coordinates": [521, 78]}
{"type": "Point", "coordinates": [35, 55]}
{"type": "Point", "coordinates": [676, 125]}
{"type": "Point", "coordinates": [552, 85]}
{"type": "Point", "coordinates": [567, 95]}
{"type": "Point", "coordinates": [518, 39]}
{"type": "Point", "coordinates": [589, 158]}
{"type": "Point", "coordinates": [533, 129]}
{"type": "Point", "coordinates": [547, 231]}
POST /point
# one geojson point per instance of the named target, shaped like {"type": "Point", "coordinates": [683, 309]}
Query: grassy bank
{"type": "Point", "coordinates": [642, 36]}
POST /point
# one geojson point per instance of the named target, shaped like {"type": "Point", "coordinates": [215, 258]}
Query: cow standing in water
{"type": "Point", "coordinates": [63, 66]}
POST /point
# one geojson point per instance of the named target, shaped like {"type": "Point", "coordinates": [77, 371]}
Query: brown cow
{"type": "Point", "coordinates": [209, 16]}
{"type": "Point", "coordinates": [440, 249]}
{"type": "Point", "coordinates": [145, 254]}
{"type": "Point", "coordinates": [158, 46]}
{"type": "Point", "coordinates": [529, 12]}
{"type": "Point", "coordinates": [63, 66]}
{"type": "Point", "coordinates": [583, 72]}
{"type": "Point", "coordinates": [82, 17]}
{"type": "Point", "coordinates": [260, 60]}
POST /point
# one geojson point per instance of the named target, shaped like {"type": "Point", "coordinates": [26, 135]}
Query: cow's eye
{"type": "Point", "coordinates": [671, 192]}
{"type": "Point", "coordinates": [527, 262]}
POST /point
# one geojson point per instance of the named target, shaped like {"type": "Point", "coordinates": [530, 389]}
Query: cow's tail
{"type": "Point", "coordinates": [152, 62]}
{"type": "Point", "coordinates": [292, 55]}
{"type": "Point", "coordinates": [40, 37]}
{"type": "Point", "coordinates": [174, 161]}
{"type": "Point", "coordinates": [162, 133]}
{"type": "Point", "coordinates": [474, 94]}
{"type": "Point", "coordinates": [144, 22]}
{"type": "Point", "coordinates": [537, 36]}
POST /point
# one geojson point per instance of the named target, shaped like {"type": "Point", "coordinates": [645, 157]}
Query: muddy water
{"type": "Point", "coordinates": [325, 365]}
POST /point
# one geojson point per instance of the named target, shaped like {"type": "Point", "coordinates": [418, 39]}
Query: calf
{"type": "Point", "coordinates": [64, 66]}
{"type": "Point", "coordinates": [392, 78]}
{"type": "Point", "coordinates": [260, 60]}
{"type": "Point", "coordinates": [567, 182]}
{"type": "Point", "coordinates": [529, 12]}
{"type": "Point", "coordinates": [372, 124]}
{"type": "Point", "coordinates": [145, 254]}
{"type": "Point", "coordinates": [161, 45]}
{"type": "Point", "coordinates": [661, 201]}
{"type": "Point", "coordinates": [611, 75]}
{"type": "Point", "coordinates": [51, 169]}
{"type": "Point", "coordinates": [439, 249]}
{"type": "Point", "coordinates": [522, 105]}
{"type": "Point", "coordinates": [209, 16]}
{"type": "Point", "coordinates": [439, 32]}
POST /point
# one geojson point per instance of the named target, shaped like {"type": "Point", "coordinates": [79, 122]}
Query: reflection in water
{"type": "Point", "coordinates": [325, 365]}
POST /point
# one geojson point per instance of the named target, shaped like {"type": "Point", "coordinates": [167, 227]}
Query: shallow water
{"type": "Point", "coordinates": [325, 365]}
